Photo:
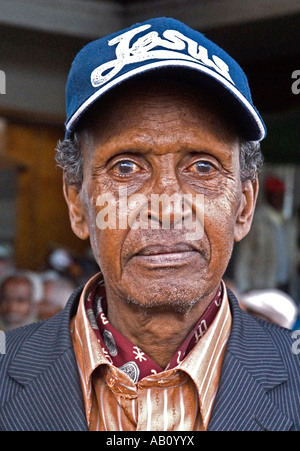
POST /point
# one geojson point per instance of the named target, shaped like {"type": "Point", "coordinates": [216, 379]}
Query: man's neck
{"type": "Point", "coordinates": [157, 333]}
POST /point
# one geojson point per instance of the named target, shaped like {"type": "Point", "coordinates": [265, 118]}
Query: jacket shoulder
{"type": "Point", "coordinates": [256, 336]}
{"type": "Point", "coordinates": [15, 338]}
{"type": "Point", "coordinates": [287, 343]}
{"type": "Point", "coordinates": [271, 354]}
{"type": "Point", "coordinates": [13, 341]}
{"type": "Point", "coordinates": [34, 347]}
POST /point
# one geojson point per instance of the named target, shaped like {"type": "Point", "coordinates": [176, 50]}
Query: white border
{"type": "Point", "coordinates": [176, 63]}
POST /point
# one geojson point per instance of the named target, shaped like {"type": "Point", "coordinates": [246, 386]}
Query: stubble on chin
{"type": "Point", "coordinates": [167, 300]}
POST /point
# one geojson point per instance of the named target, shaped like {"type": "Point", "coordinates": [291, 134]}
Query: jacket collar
{"type": "Point", "coordinates": [46, 368]}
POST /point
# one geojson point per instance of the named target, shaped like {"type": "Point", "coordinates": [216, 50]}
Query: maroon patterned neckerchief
{"type": "Point", "coordinates": [131, 359]}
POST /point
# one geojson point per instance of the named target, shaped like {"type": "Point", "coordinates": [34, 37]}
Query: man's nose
{"type": "Point", "coordinates": [166, 207]}
{"type": "Point", "coordinates": [166, 211]}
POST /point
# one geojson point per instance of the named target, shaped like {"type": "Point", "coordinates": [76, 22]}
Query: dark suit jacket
{"type": "Point", "coordinates": [259, 387]}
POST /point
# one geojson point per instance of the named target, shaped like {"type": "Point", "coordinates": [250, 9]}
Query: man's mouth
{"type": "Point", "coordinates": [167, 255]}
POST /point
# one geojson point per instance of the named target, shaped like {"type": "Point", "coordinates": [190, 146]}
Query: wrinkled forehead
{"type": "Point", "coordinates": [135, 96]}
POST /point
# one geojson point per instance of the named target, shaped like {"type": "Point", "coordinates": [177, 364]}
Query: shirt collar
{"type": "Point", "coordinates": [204, 362]}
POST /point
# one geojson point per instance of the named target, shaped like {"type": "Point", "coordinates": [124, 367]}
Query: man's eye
{"type": "Point", "coordinates": [201, 167]}
{"type": "Point", "coordinates": [125, 167]}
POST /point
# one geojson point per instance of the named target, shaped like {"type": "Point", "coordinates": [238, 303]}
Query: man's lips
{"type": "Point", "coordinates": [156, 249]}
{"type": "Point", "coordinates": [166, 255]}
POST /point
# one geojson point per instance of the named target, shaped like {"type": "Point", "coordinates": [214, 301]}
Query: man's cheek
{"type": "Point", "coordinates": [219, 221]}
{"type": "Point", "coordinates": [222, 208]}
{"type": "Point", "coordinates": [109, 248]}
{"type": "Point", "coordinates": [106, 217]}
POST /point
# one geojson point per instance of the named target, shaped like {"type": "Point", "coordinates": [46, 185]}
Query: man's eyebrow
{"type": "Point", "coordinates": [121, 151]}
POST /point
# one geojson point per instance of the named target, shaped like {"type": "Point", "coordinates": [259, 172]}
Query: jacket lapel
{"type": "Point", "coordinates": [251, 369]}
{"type": "Point", "coordinates": [242, 404]}
{"type": "Point", "coordinates": [45, 368]}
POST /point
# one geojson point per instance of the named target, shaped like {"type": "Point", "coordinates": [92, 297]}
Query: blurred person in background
{"type": "Point", "coordinates": [19, 294]}
{"type": "Point", "coordinates": [59, 262]}
{"type": "Point", "coordinates": [56, 293]}
{"type": "Point", "coordinates": [265, 259]}
{"type": "Point", "coordinates": [64, 263]}
{"type": "Point", "coordinates": [271, 305]}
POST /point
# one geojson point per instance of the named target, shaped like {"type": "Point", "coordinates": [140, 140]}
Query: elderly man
{"type": "Point", "coordinates": [160, 162]}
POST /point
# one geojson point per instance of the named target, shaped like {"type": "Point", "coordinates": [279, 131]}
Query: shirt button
{"type": "Point", "coordinates": [112, 381]}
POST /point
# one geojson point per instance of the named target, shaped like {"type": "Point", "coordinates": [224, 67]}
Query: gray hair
{"type": "Point", "coordinates": [69, 158]}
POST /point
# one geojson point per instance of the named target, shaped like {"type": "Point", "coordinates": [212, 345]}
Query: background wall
{"type": "Point", "coordinates": [42, 218]}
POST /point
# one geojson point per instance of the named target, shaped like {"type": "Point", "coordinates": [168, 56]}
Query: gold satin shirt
{"type": "Point", "coordinates": [180, 399]}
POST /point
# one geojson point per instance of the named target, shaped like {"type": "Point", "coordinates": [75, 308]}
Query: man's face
{"type": "Point", "coordinates": [16, 302]}
{"type": "Point", "coordinates": [162, 139]}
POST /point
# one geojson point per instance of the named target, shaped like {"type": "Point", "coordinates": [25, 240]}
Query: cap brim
{"type": "Point", "coordinates": [246, 116]}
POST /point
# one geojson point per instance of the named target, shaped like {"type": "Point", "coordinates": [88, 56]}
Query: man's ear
{"type": "Point", "coordinates": [76, 210]}
{"type": "Point", "coordinates": [246, 210]}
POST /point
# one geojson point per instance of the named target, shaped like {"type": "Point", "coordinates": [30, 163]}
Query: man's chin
{"type": "Point", "coordinates": [168, 299]}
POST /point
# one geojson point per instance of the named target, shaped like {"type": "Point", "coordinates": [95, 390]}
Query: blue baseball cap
{"type": "Point", "coordinates": [151, 46]}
